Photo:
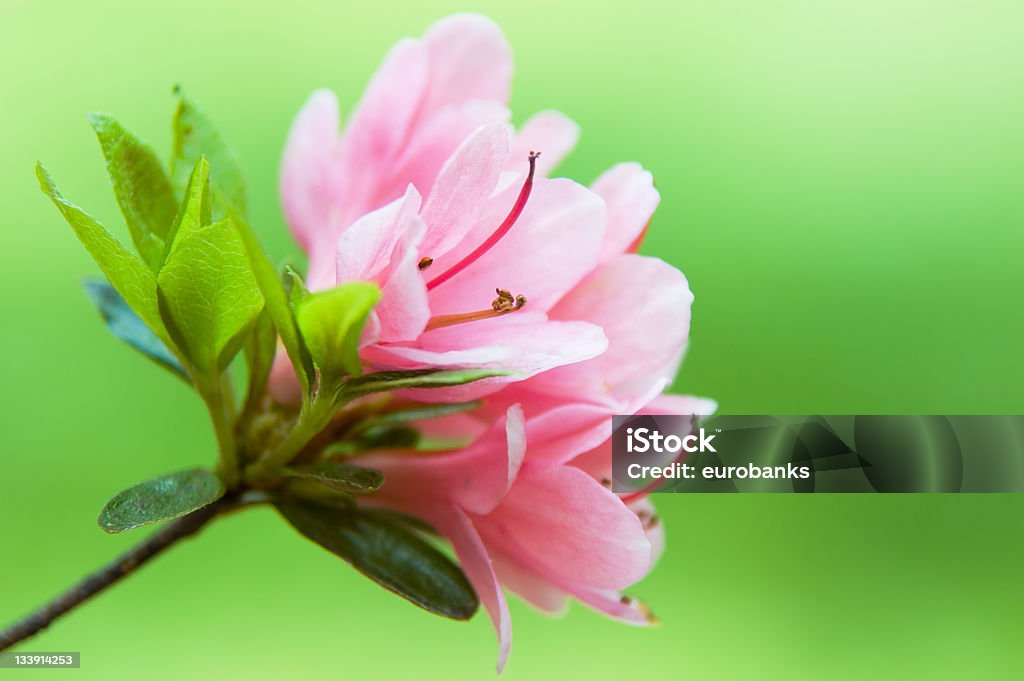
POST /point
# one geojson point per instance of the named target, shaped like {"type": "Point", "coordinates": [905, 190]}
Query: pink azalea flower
{"type": "Point", "coordinates": [432, 195]}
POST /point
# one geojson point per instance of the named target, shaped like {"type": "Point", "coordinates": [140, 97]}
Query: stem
{"type": "Point", "coordinates": [123, 566]}
{"type": "Point", "coordinates": [311, 421]}
{"type": "Point", "coordinates": [220, 403]}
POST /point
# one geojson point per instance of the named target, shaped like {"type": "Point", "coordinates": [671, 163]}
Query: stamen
{"type": "Point", "coordinates": [501, 231]}
{"type": "Point", "coordinates": [425, 262]}
{"type": "Point", "coordinates": [503, 304]}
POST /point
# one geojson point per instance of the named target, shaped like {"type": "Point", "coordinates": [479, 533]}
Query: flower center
{"type": "Point", "coordinates": [495, 237]}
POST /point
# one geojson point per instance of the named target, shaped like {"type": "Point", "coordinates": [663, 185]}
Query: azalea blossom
{"type": "Point", "coordinates": [485, 261]}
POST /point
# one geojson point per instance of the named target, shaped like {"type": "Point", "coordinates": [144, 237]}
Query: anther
{"type": "Point", "coordinates": [503, 304]}
{"type": "Point", "coordinates": [425, 262]}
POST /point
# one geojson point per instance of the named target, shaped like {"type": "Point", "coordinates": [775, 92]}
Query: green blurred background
{"type": "Point", "coordinates": [842, 184]}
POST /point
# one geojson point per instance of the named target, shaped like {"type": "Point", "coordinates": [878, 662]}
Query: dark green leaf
{"type": "Point", "coordinates": [163, 498]}
{"type": "Point", "coordinates": [208, 295]}
{"type": "Point", "coordinates": [127, 326]}
{"type": "Point", "coordinates": [142, 187]}
{"type": "Point", "coordinates": [195, 136]}
{"type": "Point", "coordinates": [386, 437]}
{"type": "Point", "coordinates": [389, 554]}
{"type": "Point", "coordinates": [416, 378]}
{"type": "Point", "coordinates": [331, 322]}
{"type": "Point", "coordinates": [129, 275]}
{"type": "Point", "coordinates": [277, 304]}
{"type": "Point", "coordinates": [341, 476]}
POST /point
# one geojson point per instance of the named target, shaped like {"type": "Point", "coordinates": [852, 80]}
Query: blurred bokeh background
{"type": "Point", "coordinates": [842, 183]}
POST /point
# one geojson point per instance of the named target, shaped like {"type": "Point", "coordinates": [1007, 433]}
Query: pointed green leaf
{"type": "Point", "coordinates": [415, 378]}
{"type": "Point", "coordinates": [416, 412]}
{"type": "Point", "coordinates": [277, 304]}
{"type": "Point", "coordinates": [142, 187]}
{"type": "Point", "coordinates": [389, 554]}
{"type": "Point", "coordinates": [208, 295]}
{"type": "Point", "coordinates": [163, 498]}
{"type": "Point", "coordinates": [195, 136]}
{"type": "Point", "coordinates": [123, 269]}
{"type": "Point", "coordinates": [127, 326]}
{"type": "Point", "coordinates": [341, 476]}
{"type": "Point", "coordinates": [194, 213]}
{"type": "Point", "coordinates": [331, 322]}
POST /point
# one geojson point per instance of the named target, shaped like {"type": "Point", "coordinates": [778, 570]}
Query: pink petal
{"type": "Point", "coordinates": [476, 478]}
{"type": "Point", "coordinates": [568, 523]}
{"type": "Point", "coordinates": [553, 245]}
{"type": "Point", "coordinates": [628, 190]}
{"type": "Point", "coordinates": [686, 405]}
{"type": "Point", "coordinates": [309, 190]}
{"type": "Point", "coordinates": [643, 305]}
{"type": "Point", "coordinates": [469, 58]}
{"type": "Point", "coordinates": [552, 133]}
{"type": "Point", "coordinates": [475, 562]}
{"type": "Point", "coordinates": [379, 129]}
{"type": "Point", "coordinates": [528, 585]}
{"type": "Point", "coordinates": [520, 342]}
{"type": "Point", "coordinates": [437, 137]}
{"type": "Point", "coordinates": [462, 188]}
{"type": "Point", "coordinates": [381, 247]}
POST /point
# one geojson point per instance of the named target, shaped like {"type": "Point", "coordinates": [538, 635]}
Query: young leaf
{"type": "Point", "coordinates": [414, 378]}
{"type": "Point", "coordinates": [277, 304]}
{"type": "Point", "coordinates": [389, 554]}
{"type": "Point", "coordinates": [129, 275]}
{"type": "Point", "coordinates": [415, 412]}
{"type": "Point", "coordinates": [341, 476]}
{"type": "Point", "coordinates": [195, 136]}
{"type": "Point", "coordinates": [142, 187]}
{"type": "Point", "coordinates": [208, 295]}
{"type": "Point", "coordinates": [195, 211]}
{"type": "Point", "coordinates": [163, 498]}
{"type": "Point", "coordinates": [331, 322]}
{"type": "Point", "coordinates": [127, 326]}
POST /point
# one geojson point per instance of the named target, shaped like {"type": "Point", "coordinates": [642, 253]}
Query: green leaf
{"type": "Point", "coordinates": [208, 295]}
{"type": "Point", "coordinates": [163, 498]}
{"type": "Point", "coordinates": [277, 304]}
{"type": "Point", "coordinates": [260, 349]}
{"type": "Point", "coordinates": [387, 437]}
{"type": "Point", "coordinates": [341, 476]}
{"type": "Point", "coordinates": [294, 286]}
{"type": "Point", "coordinates": [389, 554]}
{"type": "Point", "coordinates": [195, 136]}
{"type": "Point", "coordinates": [142, 187]}
{"type": "Point", "coordinates": [415, 378]}
{"type": "Point", "coordinates": [127, 326]}
{"type": "Point", "coordinates": [129, 275]}
{"type": "Point", "coordinates": [195, 210]}
{"type": "Point", "coordinates": [331, 322]}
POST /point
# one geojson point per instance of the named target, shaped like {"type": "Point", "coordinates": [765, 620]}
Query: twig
{"type": "Point", "coordinates": [125, 565]}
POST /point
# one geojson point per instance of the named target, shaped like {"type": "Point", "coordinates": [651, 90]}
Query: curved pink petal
{"type": "Point", "coordinates": [475, 478]}
{"type": "Point", "coordinates": [469, 58]}
{"type": "Point", "coordinates": [686, 405]}
{"type": "Point", "coordinates": [552, 133]}
{"type": "Point", "coordinates": [643, 305]}
{"type": "Point", "coordinates": [475, 562]}
{"type": "Point", "coordinates": [567, 522]}
{"type": "Point", "coordinates": [528, 585]}
{"type": "Point", "coordinates": [309, 179]}
{"type": "Point", "coordinates": [378, 130]}
{"type": "Point", "coordinates": [460, 193]}
{"type": "Point", "coordinates": [382, 247]}
{"type": "Point", "coordinates": [522, 343]}
{"type": "Point", "coordinates": [628, 191]}
{"type": "Point", "coordinates": [561, 217]}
